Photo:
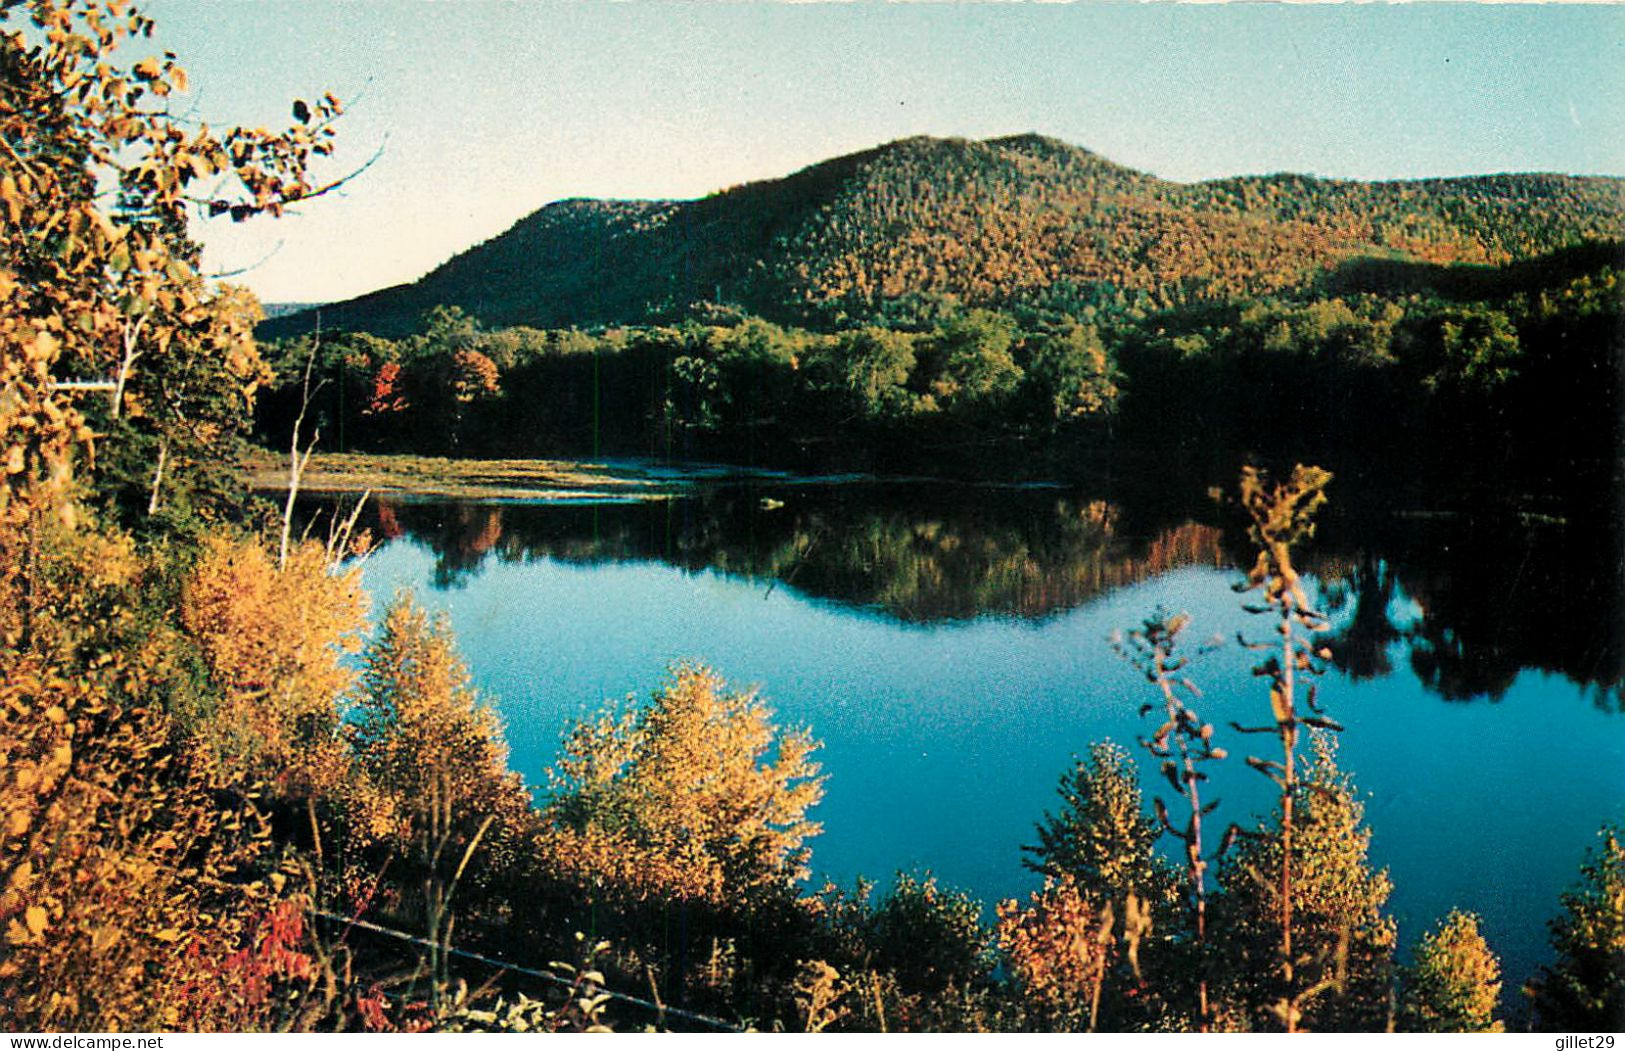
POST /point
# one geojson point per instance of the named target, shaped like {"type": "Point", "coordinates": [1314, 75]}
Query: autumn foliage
{"type": "Point", "coordinates": [1585, 986]}
{"type": "Point", "coordinates": [925, 225]}
{"type": "Point", "coordinates": [207, 773]}
{"type": "Point", "coordinates": [123, 872]}
{"type": "Point", "coordinates": [699, 785]}
{"type": "Point", "coordinates": [1455, 982]}
{"type": "Point", "coordinates": [276, 643]}
{"type": "Point", "coordinates": [433, 756]}
{"type": "Point", "coordinates": [1059, 947]}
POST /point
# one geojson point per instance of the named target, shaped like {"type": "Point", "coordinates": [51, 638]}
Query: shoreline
{"type": "Point", "coordinates": [617, 479]}
{"type": "Point", "coordinates": [605, 479]}
{"type": "Point", "coordinates": [336, 474]}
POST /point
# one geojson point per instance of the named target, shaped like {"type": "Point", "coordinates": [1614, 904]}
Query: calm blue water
{"type": "Point", "coordinates": [946, 724]}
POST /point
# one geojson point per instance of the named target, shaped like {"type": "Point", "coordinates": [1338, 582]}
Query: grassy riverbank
{"type": "Point", "coordinates": [463, 479]}
{"type": "Point", "coordinates": [458, 479]}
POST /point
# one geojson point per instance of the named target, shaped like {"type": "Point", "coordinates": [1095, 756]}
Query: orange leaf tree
{"type": "Point", "coordinates": [98, 278]}
{"type": "Point", "coordinates": [126, 868]}
{"type": "Point", "coordinates": [699, 780]}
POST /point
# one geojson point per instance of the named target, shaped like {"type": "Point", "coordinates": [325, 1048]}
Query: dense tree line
{"type": "Point", "coordinates": [1507, 372]}
{"type": "Point", "coordinates": [748, 390]}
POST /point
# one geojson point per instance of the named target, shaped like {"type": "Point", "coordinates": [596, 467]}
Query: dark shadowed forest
{"type": "Point", "coordinates": [1486, 380]}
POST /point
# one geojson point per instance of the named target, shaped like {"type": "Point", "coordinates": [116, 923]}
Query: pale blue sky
{"type": "Point", "coordinates": [487, 111]}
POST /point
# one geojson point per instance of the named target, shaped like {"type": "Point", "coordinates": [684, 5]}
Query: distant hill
{"type": "Point", "coordinates": [903, 228]}
{"type": "Point", "coordinates": [275, 310]}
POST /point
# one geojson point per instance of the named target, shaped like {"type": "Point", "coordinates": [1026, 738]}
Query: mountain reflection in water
{"type": "Point", "coordinates": [1486, 598]}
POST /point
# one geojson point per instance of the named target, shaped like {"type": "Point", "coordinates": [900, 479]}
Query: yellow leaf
{"type": "Point", "coordinates": [38, 919]}
{"type": "Point", "coordinates": [168, 934]}
{"type": "Point", "coordinates": [44, 348]}
{"type": "Point", "coordinates": [1279, 705]}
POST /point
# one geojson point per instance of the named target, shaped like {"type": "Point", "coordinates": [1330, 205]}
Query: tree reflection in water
{"type": "Point", "coordinates": [1469, 601]}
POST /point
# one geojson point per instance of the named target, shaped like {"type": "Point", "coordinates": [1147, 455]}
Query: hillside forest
{"type": "Point", "coordinates": [1492, 378]}
{"type": "Point", "coordinates": [234, 798]}
{"type": "Point", "coordinates": [1011, 308]}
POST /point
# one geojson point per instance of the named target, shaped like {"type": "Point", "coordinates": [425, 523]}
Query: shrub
{"type": "Point", "coordinates": [1059, 949]}
{"type": "Point", "coordinates": [125, 872]}
{"type": "Point", "coordinates": [275, 642]}
{"type": "Point", "coordinates": [1455, 982]}
{"type": "Point", "coordinates": [930, 936]}
{"type": "Point", "coordinates": [1585, 988]}
{"type": "Point", "coordinates": [699, 781]}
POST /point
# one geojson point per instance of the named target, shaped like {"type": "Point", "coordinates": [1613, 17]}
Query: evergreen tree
{"type": "Point", "coordinates": [1102, 839]}
{"type": "Point", "coordinates": [1342, 939]}
{"type": "Point", "coordinates": [1585, 988]}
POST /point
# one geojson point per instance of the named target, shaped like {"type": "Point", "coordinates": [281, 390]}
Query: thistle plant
{"type": "Point", "coordinates": [1181, 744]}
{"type": "Point", "coordinates": [1282, 515]}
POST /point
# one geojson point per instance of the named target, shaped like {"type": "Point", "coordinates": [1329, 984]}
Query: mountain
{"type": "Point", "coordinates": [273, 310]}
{"type": "Point", "coordinates": [909, 225]}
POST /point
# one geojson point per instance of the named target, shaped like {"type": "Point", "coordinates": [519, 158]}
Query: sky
{"type": "Point", "coordinates": [482, 111]}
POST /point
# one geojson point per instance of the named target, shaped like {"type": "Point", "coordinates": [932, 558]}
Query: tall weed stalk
{"type": "Point", "coordinates": [1181, 744]}
{"type": "Point", "coordinates": [1282, 514]}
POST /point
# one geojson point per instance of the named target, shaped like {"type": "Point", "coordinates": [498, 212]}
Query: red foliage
{"type": "Point", "coordinates": [388, 397]}
{"type": "Point", "coordinates": [238, 991]}
{"type": "Point", "coordinates": [412, 1016]}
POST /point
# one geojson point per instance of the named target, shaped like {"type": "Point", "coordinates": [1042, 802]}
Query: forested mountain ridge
{"type": "Point", "coordinates": [900, 231]}
{"type": "Point", "coordinates": [232, 801]}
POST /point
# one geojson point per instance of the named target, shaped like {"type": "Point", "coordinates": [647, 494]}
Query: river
{"type": "Point", "coordinates": [949, 647]}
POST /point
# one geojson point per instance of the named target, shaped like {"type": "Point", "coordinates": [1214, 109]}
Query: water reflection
{"type": "Point", "coordinates": [956, 555]}
{"type": "Point", "coordinates": [948, 646]}
{"type": "Point", "coordinates": [1469, 602]}
{"type": "Point", "coordinates": [1478, 600]}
